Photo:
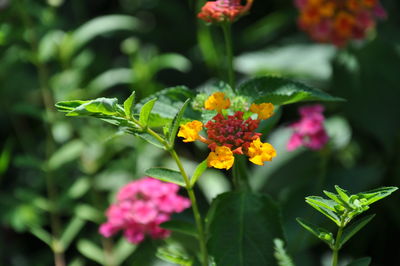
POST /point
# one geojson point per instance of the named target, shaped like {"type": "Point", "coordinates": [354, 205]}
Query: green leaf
{"type": "Point", "coordinates": [145, 111]}
{"type": "Point", "coordinates": [109, 79]}
{"type": "Point", "coordinates": [169, 256]}
{"type": "Point", "coordinates": [66, 153]}
{"type": "Point", "coordinates": [129, 105]}
{"type": "Point", "coordinates": [174, 61]}
{"type": "Point", "coordinates": [329, 204]}
{"type": "Point", "coordinates": [42, 235]}
{"type": "Point", "coordinates": [281, 91]}
{"type": "Point", "coordinates": [360, 262]}
{"type": "Point", "coordinates": [176, 123]}
{"type": "Point", "coordinates": [280, 253]}
{"type": "Point", "coordinates": [99, 106]}
{"type": "Point", "coordinates": [87, 212]}
{"type": "Point", "coordinates": [71, 231]}
{"type": "Point", "coordinates": [198, 172]}
{"type": "Point", "coordinates": [166, 175]}
{"type": "Point", "coordinates": [241, 228]}
{"type": "Point", "coordinates": [342, 194]}
{"type": "Point", "coordinates": [325, 211]}
{"type": "Point", "coordinates": [334, 197]}
{"type": "Point", "coordinates": [181, 227]}
{"type": "Point", "coordinates": [376, 194]}
{"type": "Point", "coordinates": [102, 25]}
{"type": "Point", "coordinates": [79, 188]}
{"type": "Point", "coordinates": [91, 250]}
{"type": "Point", "coordinates": [67, 106]}
{"type": "Point", "coordinates": [122, 250]}
{"type": "Point", "coordinates": [352, 229]}
{"type": "Point", "coordinates": [170, 101]}
{"type": "Point", "coordinates": [319, 232]}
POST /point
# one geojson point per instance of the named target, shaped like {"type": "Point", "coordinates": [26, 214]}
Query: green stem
{"type": "Point", "coordinates": [226, 27]}
{"type": "Point", "coordinates": [47, 98]}
{"type": "Point", "coordinates": [196, 212]}
{"type": "Point", "coordinates": [336, 248]}
{"type": "Point", "coordinates": [192, 196]}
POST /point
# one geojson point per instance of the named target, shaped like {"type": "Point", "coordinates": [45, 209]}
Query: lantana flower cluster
{"type": "Point", "coordinates": [338, 21]}
{"type": "Point", "coordinates": [229, 135]}
{"type": "Point", "coordinates": [309, 131]}
{"type": "Point", "coordinates": [223, 10]}
{"type": "Point", "coordinates": [141, 207]}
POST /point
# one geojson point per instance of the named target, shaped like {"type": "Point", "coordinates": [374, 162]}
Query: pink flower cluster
{"type": "Point", "coordinates": [141, 207]}
{"type": "Point", "coordinates": [309, 131]}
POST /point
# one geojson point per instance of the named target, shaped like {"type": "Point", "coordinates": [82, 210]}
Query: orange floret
{"type": "Point", "coordinates": [221, 158]}
{"type": "Point", "coordinates": [260, 152]}
{"type": "Point", "coordinates": [263, 110]}
{"type": "Point", "coordinates": [190, 131]}
{"type": "Point", "coordinates": [217, 101]}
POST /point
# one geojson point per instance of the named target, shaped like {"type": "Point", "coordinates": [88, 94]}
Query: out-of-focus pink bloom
{"type": "Point", "coordinates": [141, 207]}
{"type": "Point", "coordinates": [337, 22]}
{"type": "Point", "coordinates": [309, 131]}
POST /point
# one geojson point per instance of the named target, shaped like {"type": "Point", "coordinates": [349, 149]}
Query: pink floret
{"type": "Point", "coordinates": [309, 131]}
{"type": "Point", "coordinates": [141, 207]}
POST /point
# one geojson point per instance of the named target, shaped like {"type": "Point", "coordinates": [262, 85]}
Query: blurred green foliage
{"type": "Point", "coordinates": [59, 50]}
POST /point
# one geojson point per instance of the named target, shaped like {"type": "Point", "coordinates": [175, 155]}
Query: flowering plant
{"type": "Point", "coordinates": [234, 122]}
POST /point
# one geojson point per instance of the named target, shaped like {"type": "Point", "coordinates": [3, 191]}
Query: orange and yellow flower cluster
{"type": "Point", "coordinates": [223, 10]}
{"type": "Point", "coordinates": [338, 21]}
{"type": "Point", "coordinates": [228, 135]}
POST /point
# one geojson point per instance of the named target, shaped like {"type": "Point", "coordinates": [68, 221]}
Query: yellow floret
{"type": "Point", "coordinates": [222, 158]}
{"type": "Point", "coordinates": [190, 131]}
{"type": "Point", "coordinates": [264, 110]}
{"type": "Point", "coordinates": [217, 101]}
{"type": "Point", "coordinates": [260, 152]}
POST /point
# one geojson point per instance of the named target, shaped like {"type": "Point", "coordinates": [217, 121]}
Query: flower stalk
{"type": "Point", "coordinates": [227, 29]}
{"type": "Point", "coordinates": [197, 216]}
{"type": "Point", "coordinates": [336, 248]}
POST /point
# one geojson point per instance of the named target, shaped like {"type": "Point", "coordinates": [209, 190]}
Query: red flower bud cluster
{"type": "Point", "coordinates": [232, 131]}
{"type": "Point", "coordinates": [223, 10]}
{"type": "Point", "coordinates": [338, 21]}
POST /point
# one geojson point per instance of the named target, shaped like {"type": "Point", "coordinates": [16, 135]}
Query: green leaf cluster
{"type": "Point", "coordinates": [342, 208]}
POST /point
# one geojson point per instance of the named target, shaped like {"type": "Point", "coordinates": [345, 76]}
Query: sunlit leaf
{"type": "Point", "coordinates": [176, 123]}
{"type": "Point", "coordinates": [198, 172]}
{"type": "Point", "coordinates": [109, 79]}
{"type": "Point", "coordinates": [102, 25]}
{"type": "Point", "coordinates": [325, 211]}
{"type": "Point", "coordinates": [281, 91]}
{"type": "Point", "coordinates": [376, 194]}
{"type": "Point", "coordinates": [122, 250]}
{"type": "Point", "coordinates": [71, 231]}
{"type": "Point", "coordinates": [66, 153]}
{"type": "Point", "coordinates": [129, 105]}
{"type": "Point", "coordinates": [166, 175]}
{"type": "Point", "coordinates": [145, 111]}
{"type": "Point", "coordinates": [91, 250]}
{"type": "Point", "coordinates": [173, 257]}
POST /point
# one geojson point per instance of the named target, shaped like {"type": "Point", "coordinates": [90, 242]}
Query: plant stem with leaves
{"type": "Point", "coordinates": [189, 189]}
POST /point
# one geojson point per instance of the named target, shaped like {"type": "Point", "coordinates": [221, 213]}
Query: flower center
{"type": "Point", "coordinates": [233, 132]}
